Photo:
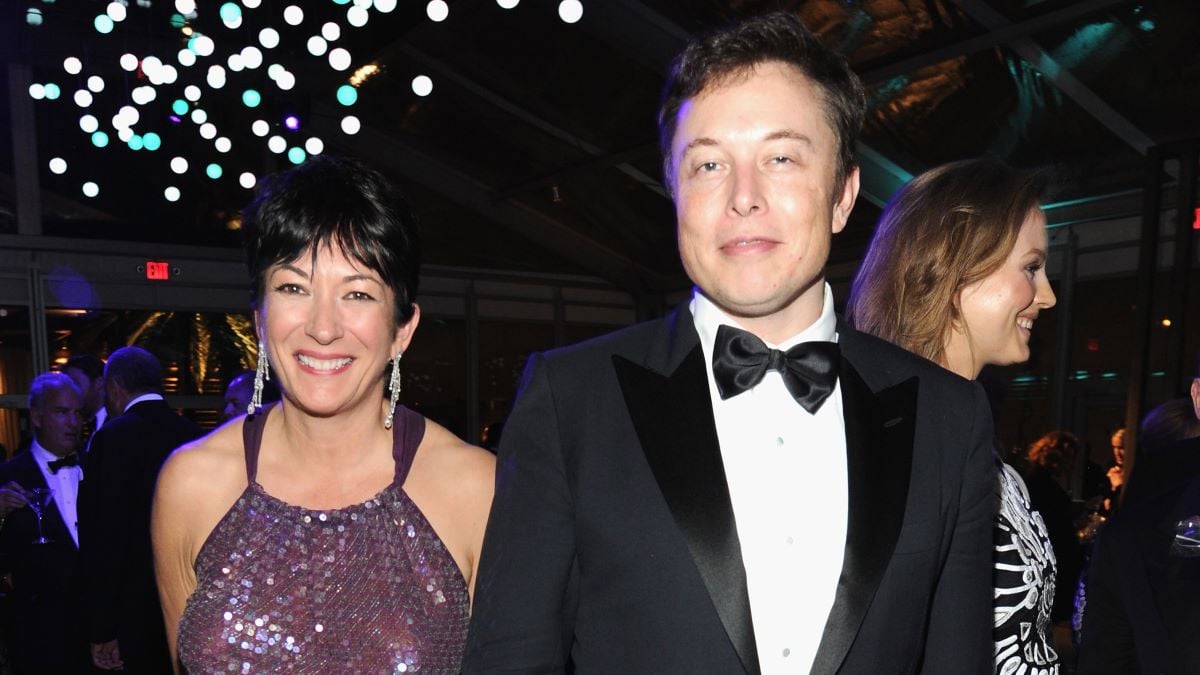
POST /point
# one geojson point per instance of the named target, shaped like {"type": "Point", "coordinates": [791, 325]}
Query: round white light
{"type": "Point", "coordinates": [89, 124]}
{"type": "Point", "coordinates": [199, 116]}
{"type": "Point", "coordinates": [179, 164]}
{"type": "Point", "coordinates": [274, 70]}
{"type": "Point", "coordinates": [422, 85]}
{"type": "Point", "coordinates": [252, 57]}
{"type": "Point", "coordinates": [167, 74]}
{"type": "Point", "coordinates": [268, 37]}
{"type": "Point", "coordinates": [235, 62]}
{"type": "Point", "coordinates": [185, 6]}
{"type": "Point", "coordinates": [331, 31]}
{"type": "Point", "coordinates": [385, 6]}
{"type": "Point", "coordinates": [314, 146]}
{"type": "Point", "coordinates": [90, 189]}
{"type": "Point", "coordinates": [223, 144]}
{"type": "Point", "coordinates": [317, 45]}
{"type": "Point", "coordinates": [124, 133]}
{"type": "Point", "coordinates": [72, 65]}
{"type": "Point", "coordinates": [247, 180]}
{"type": "Point", "coordinates": [143, 94]}
{"type": "Point", "coordinates": [36, 91]}
{"type": "Point", "coordinates": [216, 77]}
{"type": "Point", "coordinates": [83, 98]}
{"type": "Point", "coordinates": [58, 166]}
{"type": "Point", "coordinates": [115, 11]}
{"type": "Point", "coordinates": [233, 22]}
{"type": "Point", "coordinates": [208, 131]}
{"type": "Point", "coordinates": [507, 4]}
{"type": "Point", "coordinates": [339, 58]}
{"type": "Point", "coordinates": [129, 115]}
{"type": "Point", "coordinates": [285, 80]}
{"type": "Point", "coordinates": [293, 15]}
{"type": "Point", "coordinates": [437, 10]}
{"type": "Point", "coordinates": [186, 58]}
{"type": "Point", "coordinates": [570, 11]}
{"type": "Point", "coordinates": [357, 17]}
{"type": "Point", "coordinates": [350, 125]}
{"type": "Point", "coordinates": [171, 193]}
{"type": "Point", "coordinates": [95, 83]}
{"type": "Point", "coordinates": [276, 144]}
{"type": "Point", "coordinates": [118, 123]}
{"type": "Point", "coordinates": [191, 93]}
{"type": "Point", "coordinates": [260, 128]}
{"type": "Point", "coordinates": [251, 4]}
{"type": "Point", "coordinates": [129, 62]}
{"type": "Point", "coordinates": [204, 45]}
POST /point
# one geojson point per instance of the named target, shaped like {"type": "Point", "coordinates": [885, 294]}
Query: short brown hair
{"type": "Point", "coordinates": [1054, 450]}
{"type": "Point", "coordinates": [777, 36]}
{"type": "Point", "coordinates": [946, 229]}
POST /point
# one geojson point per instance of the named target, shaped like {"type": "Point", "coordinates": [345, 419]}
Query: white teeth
{"type": "Point", "coordinates": [1027, 324]}
{"type": "Point", "coordinates": [322, 364]}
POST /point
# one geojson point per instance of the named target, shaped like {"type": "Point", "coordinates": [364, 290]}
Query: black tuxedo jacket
{"type": "Point", "coordinates": [1143, 601]}
{"type": "Point", "coordinates": [612, 540]}
{"type": "Point", "coordinates": [114, 531]}
{"type": "Point", "coordinates": [41, 614]}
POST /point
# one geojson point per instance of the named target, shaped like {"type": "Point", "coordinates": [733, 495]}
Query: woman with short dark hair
{"type": "Point", "coordinates": [336, 531]}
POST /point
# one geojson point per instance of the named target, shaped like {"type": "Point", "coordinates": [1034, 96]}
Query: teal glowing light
{"type": "Point", "coordinates": [251, 98]}
{"type": "Point", "coordinates": [151, 141]}
{"type": "Point", "coordinates": [99, 139]}
{"type": "Point", "coordinates": [33, 16]}
{"type": "Point", "coordinates": [341, 2]}
{"type": "Point", "coordinates": [230, 12]}
{"type": "Point", "coordinates": [51, 91]}
{"type": "Point", "coordinates": [347, 95]}
{"type": "Point", "coordinates": [296, 155]}
{"type": "Point", "coordinates": [191, 43]}
{"type": "Point", "coordinates": [179, 107]}
{"type": "Point", "coordinates": [1146, 25]}
{"type": "Point", "coordinates": [178, 21]}
{"type": "Point", "coordinates": [103, 23]}
{"type": "Point", "coordinates": [136, 142]}
{"type": "Point", "coordinates": [214, 171]}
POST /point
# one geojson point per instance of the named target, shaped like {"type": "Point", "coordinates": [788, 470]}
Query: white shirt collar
{"type": "Point", "coordinates": [708, 317]}
{"type": "Point", "coordinates": [143, 397]}
{"type": "Point", "coordinates": [42, 455]}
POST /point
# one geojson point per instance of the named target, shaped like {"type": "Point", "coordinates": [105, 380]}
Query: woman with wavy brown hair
{"type": "Point", "coordinates": [956, 273]}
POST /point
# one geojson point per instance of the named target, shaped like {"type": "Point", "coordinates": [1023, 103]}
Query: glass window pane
{"type": "Point", "coordinates": [433, 373]}
{"type": "Point", "coordinates": [504, 346]}
{"type": "Point", "coordinates": [16, 372]}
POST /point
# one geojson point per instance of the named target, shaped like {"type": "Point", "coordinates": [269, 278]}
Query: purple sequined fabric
{"type": "Point", "coordinates": [368, 588]}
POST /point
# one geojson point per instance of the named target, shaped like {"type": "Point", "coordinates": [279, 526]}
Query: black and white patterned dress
{"type": "Point", "coordinates": [1023, 582]}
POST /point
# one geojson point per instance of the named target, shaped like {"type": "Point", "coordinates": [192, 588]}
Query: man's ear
{"type": "Point", "coordinates": [1196, 397]}
{"type": "Point", "coordinates": [845, 201]}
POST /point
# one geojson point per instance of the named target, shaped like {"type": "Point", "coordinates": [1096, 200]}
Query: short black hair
{"type": "Point", "coordinates": [88, 364]}
{"type": "Point", "coordinates": [135, 370]}
{"type": "Point", "coordinates": [777, 36]}
{"type": "Point", "coordinates": [334, 201]}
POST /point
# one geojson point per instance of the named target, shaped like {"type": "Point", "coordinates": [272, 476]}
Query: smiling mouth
{"type": "Point", "coordinates": [324, 365]}
{"type": "Point", "coordinates": [1025, 323]}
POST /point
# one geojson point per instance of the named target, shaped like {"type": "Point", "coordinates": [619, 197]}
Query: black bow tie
{"type": "Point", "coordinates": [740, 360]}
{"type": "Point", "coordinates": [70, 460]}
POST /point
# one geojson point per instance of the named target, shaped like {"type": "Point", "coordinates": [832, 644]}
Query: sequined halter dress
{"type": "Point", "coordinates": [368, 588]}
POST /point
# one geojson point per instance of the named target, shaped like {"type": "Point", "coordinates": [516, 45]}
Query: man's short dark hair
{"type": "Point", "coordinates": [778, 36]}
{"type": "Point", "coordinates": [135, 370]}
{"type": "Point", "coordinates": [88, 364]}
{"type": "Point", "coordinates": [332, 201]}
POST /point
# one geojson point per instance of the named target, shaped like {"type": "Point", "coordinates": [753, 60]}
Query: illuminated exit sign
{"type": "Point", "coordinates": [158, 271]}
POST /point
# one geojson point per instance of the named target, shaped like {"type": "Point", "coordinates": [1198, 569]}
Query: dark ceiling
{"type": "Point", "coordinates": [536, 149]}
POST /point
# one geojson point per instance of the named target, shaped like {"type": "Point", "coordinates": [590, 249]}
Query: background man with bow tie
{"type": "Point", "coordinates": [42, 609]}
{"type": "Point", "coordinates": [746, 485]}
{"type": "Point", "coordinates": [124, 618]}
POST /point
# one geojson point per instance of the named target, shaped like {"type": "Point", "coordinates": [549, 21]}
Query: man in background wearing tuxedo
{"type": "Point", "coordinates": [124, 618]}
{"type": "Point", "coordinates": [748, 484]}
{"type": "Point", "coordinates": [42, 610]}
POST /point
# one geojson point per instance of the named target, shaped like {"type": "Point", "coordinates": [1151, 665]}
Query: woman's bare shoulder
{"type": "Point", "coordinates": [204, 477]}
{"type": "Point", "coordinates": [453, 461]}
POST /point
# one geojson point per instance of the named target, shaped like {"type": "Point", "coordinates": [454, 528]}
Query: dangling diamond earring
{"type": "Point", "coordinates": [262, 373]}
{"type": "Point", "coordinates": [393, 391]}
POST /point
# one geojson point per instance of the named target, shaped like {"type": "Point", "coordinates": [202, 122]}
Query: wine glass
{"type": "Point", "coordinates": [39, 498]}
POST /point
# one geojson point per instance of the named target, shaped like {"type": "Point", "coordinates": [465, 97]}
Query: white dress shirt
{"type": "Point", "coordinates": [64, 483]}
{"type": "Point", "coordinates": [139, 399]}
{"type": "Point", "coordinates": [786, 471]}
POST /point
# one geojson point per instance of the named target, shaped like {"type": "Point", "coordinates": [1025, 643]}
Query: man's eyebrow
{"type": "Point", "coordinates": [703, 141]}
{"type": "Point", "coordinates": [789, 134]}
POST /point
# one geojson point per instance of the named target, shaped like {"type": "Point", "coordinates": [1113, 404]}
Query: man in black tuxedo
{"type": "Point", "coordinates": [42, 609]}
{"type": "Point", "coordinates": [748, 484]}
{"type": "Point", "coordinates": [1143, 594]}
{"type": "Point", "coordinates": [87, 371]}
{"type": "Point", "coordinates": [124, 618]}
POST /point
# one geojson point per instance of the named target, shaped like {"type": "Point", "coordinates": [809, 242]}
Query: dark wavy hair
{"type": "Point", "coordinates": [777, 36]}
{"type": "Point", "coordinates": [334, 202]}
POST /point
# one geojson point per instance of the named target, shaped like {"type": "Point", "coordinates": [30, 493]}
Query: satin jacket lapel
{"type": "Point", "coordinates": [879, 445]}
{"type": "Point", "coordinates": [669, 403]}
